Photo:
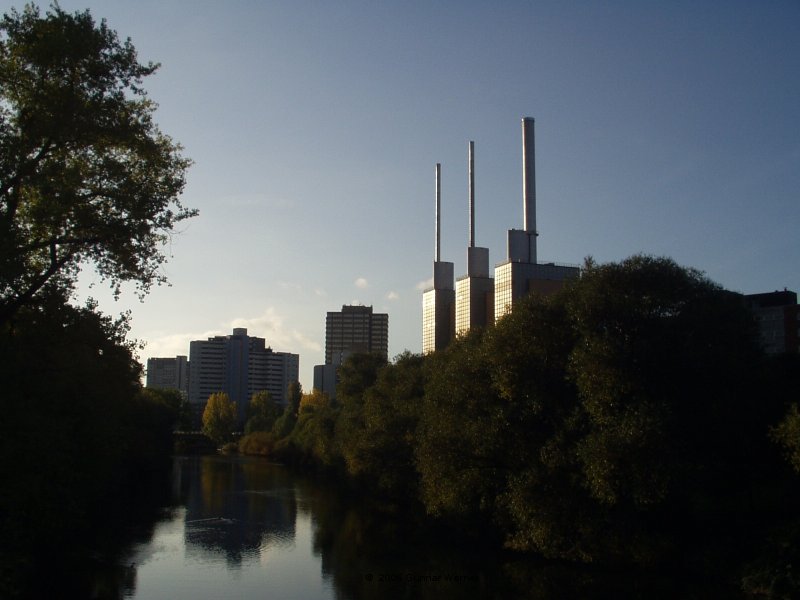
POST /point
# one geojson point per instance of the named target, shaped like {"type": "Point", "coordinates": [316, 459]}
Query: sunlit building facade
{"type": "Point", "coordinates": [438, 312]}
{"type": "Point", "coordinates": [474, 291]}
{"type": "Point", "coordinates": [439, 301]}
{"type": "Point", "coordinates": [515, 280]}
{"type": "Point", "coordinates": [521, 274]}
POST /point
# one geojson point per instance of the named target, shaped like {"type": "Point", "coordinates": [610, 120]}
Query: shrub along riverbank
{"type": "Point", "coordinates": [629, 420]}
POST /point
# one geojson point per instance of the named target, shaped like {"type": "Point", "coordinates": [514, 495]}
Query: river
{"type": "Point", "coordinates": [247, 528]}
{"type": "Point", "coordinates": [240, 527]}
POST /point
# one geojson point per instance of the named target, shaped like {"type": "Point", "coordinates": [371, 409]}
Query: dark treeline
{"type": "Point", "coordinates": [631, 419]}
{"type": "Point", "coordinates": [80, 442]}
{"type": "Point", "coordinates": [87, 181]}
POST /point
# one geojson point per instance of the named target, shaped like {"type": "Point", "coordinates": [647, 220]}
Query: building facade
{"type": "Point", "coordinates": [353, 330]}
{"type": "Point", "coordinates": [439, 301]}
{"type": "Point", "coordinates": [474, 297]}
{"type": "Point", "coordinates": [778, 318]}
{"type": "Point", "coordinates": [239, 365]}
{"type": "Point", "coordinates": [168, 373]}
{"type": "Point", "coordinates": [521, 273]}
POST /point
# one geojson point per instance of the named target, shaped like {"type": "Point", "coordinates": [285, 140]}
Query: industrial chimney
{"type": "Point", "coordinates": [437, 251]}
{"type": "Point", "coordinates": [529, 184]}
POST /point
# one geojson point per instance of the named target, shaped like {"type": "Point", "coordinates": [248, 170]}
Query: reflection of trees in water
{"type": "Point", "coordinates": [236, 506]}
{"type": "Point", "coordinates": [374, 551]}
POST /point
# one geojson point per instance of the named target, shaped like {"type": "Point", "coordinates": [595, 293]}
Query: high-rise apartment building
{"type": "Point", "coordinates": [168, 373]}
{"type": "Point", "coordinates": [353, 330]}
{"type": "Point", "coordinates": [474, 298]}
{"type": "Point", "coordinates": [438, 302]}
{"type": "Point", "coordinates": [239, 365]}
{"type": "Point", "coordinates": [777, 315]}
{"type": "Point", "coordinates": [521, 274]}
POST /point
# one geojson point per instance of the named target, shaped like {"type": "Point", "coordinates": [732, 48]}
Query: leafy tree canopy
{"type": "Point", "coordinates": [86, 176]}
{"type": "Point", "coordinates": [262, 412]}
{"type": "Point", "coordinates": [219, 417]}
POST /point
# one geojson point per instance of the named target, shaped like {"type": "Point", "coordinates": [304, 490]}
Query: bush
{"type": "Point", "coordinates": [260, 443]}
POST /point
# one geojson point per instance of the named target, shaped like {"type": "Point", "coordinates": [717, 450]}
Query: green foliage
{"type": "Point", "coordinates": [87, 177]}
{"type": "Point", "coordinates": [376, 437]}
{"type": "Point", "coordinates": [260, 443]}
{"type": "Point", "coordinates": [174, 403]}
{"type": "Point", "coordinates": [787, 434]}
{"type": "Point", "coordinates": [262, 412]}
{"type": "Point", "coordinates": [599, 422]}
{"type": "Point", "coordinates": [621, 420]}
{"type": "Point", "coordinates": [219, 417]}
{"type": "Point", "coordinates": [354, 377]}
{"type": "Point", "coordinates": [460, 456]}
{"type": "Point", "coordinates": [311, 439]}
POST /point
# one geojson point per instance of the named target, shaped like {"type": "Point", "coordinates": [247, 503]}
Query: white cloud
{"type": "Point", "coordinates": [361, 283]}
{"type": "Point", "coordinates": [424, 285]}
{"type": "Point", "coordinates": [269, 325]}
{"type": "Point", "coordinates": [392, 295]}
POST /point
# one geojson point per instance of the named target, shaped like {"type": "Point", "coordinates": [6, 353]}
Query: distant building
{"type": "Point", "coordinates": [521, 274]}
{"type": "Point", "coordinates": [354, 329]}
{"type": "Point", "coordinates": [168, 373]}
{"type": "Point", "coordinates": [325, 379]}
{"type": "Point", "coordinates": [474, 297]}
{"type": "Point", "coordinates": [778, 319]}
{"type": "Point", "coordinates": [439, 302]}
{"type": "Point", "coordinates": [239, 365]}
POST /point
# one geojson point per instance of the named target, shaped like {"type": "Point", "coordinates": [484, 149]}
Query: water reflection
{"type": "Point", "coordinates": [251, 529]}
{"type": "Point", "coordinates": [235, 508]}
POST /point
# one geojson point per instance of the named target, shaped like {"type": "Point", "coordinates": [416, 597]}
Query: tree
{"type": "Point", "coordinates": [262, 412]}
{"type": "Point", "coordinates": [285, 423]}
{"type": "Point", "coordinates": [86, 176]}
{"type": "Point", "coordinates": [219, 417]}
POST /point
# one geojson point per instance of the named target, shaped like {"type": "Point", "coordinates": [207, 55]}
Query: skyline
{"type": "Point", "coordinates": [668, 130]}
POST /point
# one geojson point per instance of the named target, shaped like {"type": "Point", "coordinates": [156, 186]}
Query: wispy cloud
{"type": "Point", "coordinates": [424, 285]}
{"type": "Point", "coordinates": [270, 325]}
{"type": "Point", "coordinates": [392, 295]}
{"type": "Point", "coordinates": [361, 283]}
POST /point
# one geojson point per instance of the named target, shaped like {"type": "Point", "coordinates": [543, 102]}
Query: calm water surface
{"type": "Point", "coordinates": [246, 528]}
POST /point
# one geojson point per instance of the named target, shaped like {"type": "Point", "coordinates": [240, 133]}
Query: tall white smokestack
{"type": "Point", "coordinates": [528, 175]}
{"type": "Point", "coordinates": [529, 186]}
{"type": "Point", "coordinates": [437, 253]}
{"type": "Point", "coordinates": [472, 194]}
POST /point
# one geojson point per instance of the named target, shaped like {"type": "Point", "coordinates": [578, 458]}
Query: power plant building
{"type": "Point", "coordinates": [474, 291]}
{"type": "Point", "coordinates": [521, 274]}
{"type": "Point", "coordinates": [438, 302]}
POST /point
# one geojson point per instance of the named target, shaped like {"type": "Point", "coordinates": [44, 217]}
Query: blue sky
{"type": "Point", "coordinates": [669, 128]}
